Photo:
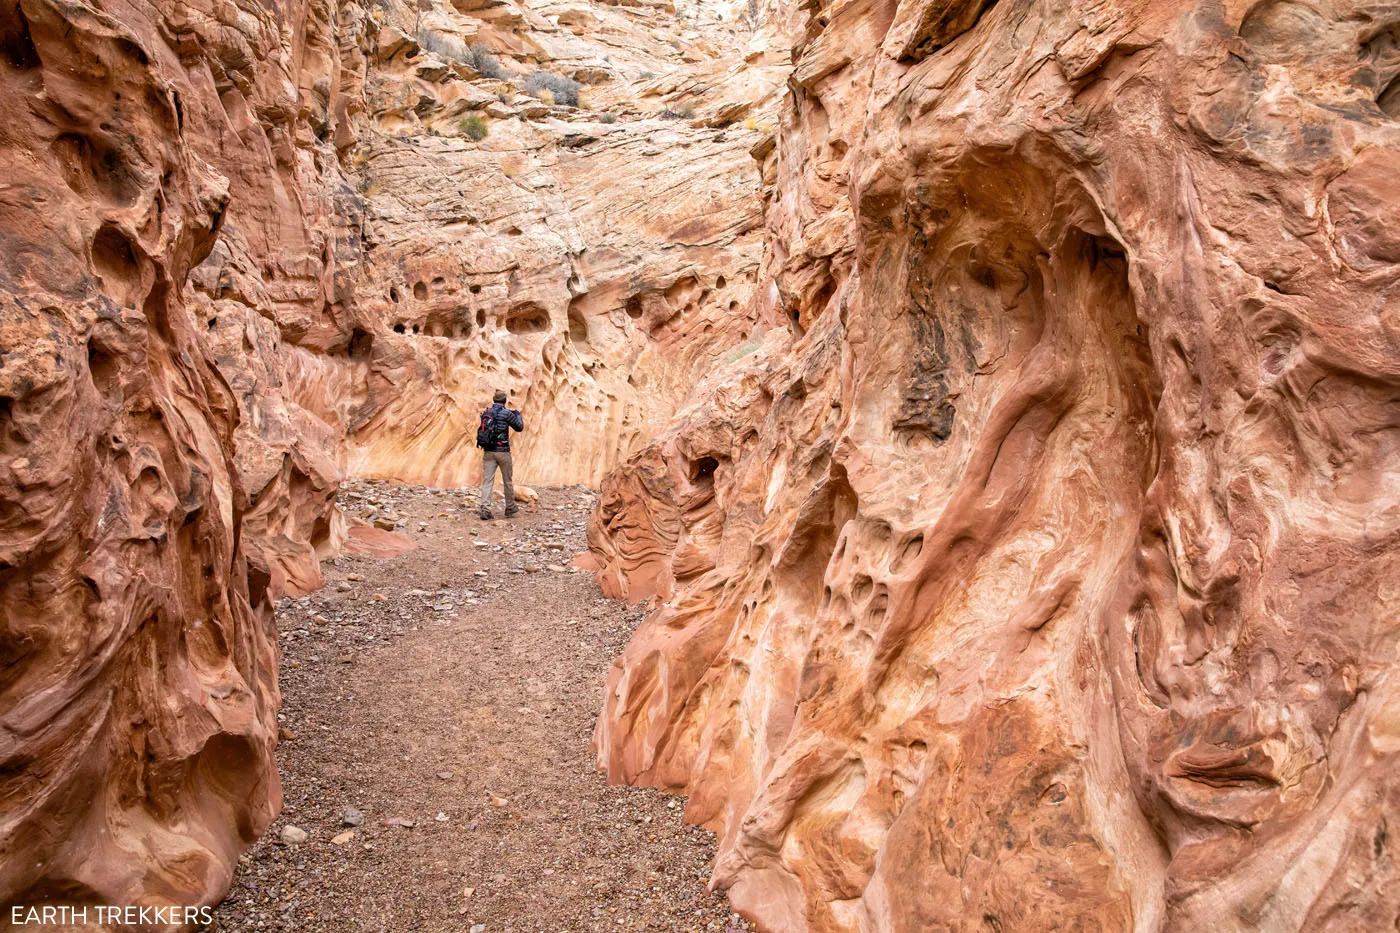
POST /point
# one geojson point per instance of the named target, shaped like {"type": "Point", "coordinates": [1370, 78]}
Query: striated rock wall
{"type": "Point", "coordinates": [136, 638]}
{"type": "Point", "coordinates": [381, 271]}
{"type": "Point", "coordinates": [553, 274]}
{"type": "Point", "coordinates": [1038, 571]}
{"type": "Point", "coordinates": [251, 249]}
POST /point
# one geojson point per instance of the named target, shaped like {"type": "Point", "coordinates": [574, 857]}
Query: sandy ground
{"type": "Point", "coordinates": [442, 702]}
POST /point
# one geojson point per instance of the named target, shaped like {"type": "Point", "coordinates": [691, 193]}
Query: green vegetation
{"type": "Point", "coordinates": [447, 48]}
{"type": "Point", "coordinates": [473, 127]}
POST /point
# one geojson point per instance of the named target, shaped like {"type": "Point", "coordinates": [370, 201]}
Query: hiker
{"type": "Point", "coordinates": [493, 437]}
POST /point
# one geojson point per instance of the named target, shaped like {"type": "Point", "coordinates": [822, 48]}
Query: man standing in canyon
{"type": "Point", "coordinates": [493, 437]}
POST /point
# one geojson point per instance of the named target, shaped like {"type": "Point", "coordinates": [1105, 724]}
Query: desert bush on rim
{"type": "Point", "coordinates": [488, 64]}
{"type": "Point", "coordinates": [473, 127]}
{"type": "Point", "coordinates": [564, 91]}
{"type": "Point", "coordinates": [447, 48]}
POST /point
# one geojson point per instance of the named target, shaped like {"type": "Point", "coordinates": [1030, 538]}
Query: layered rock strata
{"type": "Point", "coordinates": [382, 270]}
{"type": "Point", "coordinates": [1039, 570]}
{"type": "Point", "coordinates": [251, 249]}
{"type": "Point", "coordinates": [136, 638]}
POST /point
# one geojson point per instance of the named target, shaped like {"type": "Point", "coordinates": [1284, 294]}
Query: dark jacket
{"type": "Point", "coordinates": [505, 419]}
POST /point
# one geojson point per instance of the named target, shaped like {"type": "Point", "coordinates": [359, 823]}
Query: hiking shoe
{"type": "Point", "coordinates": [486, 516]}
{"type": "Point", "coordinates": [510, 512]}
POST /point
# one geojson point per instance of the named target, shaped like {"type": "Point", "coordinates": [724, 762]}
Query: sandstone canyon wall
{"type": "Point", "coordinates": [1039, 571]}
{"type": "Point", "coordinates": [137, 648]}
{"type": "Point", "coordinates": [381, 271]}
{"type": "Point", "coordinates": [250, 249]}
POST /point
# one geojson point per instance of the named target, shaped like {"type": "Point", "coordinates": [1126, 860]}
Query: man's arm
{"type": "Point", "coordinates": [517, 421]}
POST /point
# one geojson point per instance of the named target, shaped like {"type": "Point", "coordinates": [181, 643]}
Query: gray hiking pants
{"type": "Point", "coordinates": [490, 460]}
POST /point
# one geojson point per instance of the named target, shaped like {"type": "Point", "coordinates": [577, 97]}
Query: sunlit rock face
{"type": "Point", "coordinates": [380, 271]}
{"type": "Point", "coordinates": [136, 638]}
{"type": "Point", "coordinates": [554, 274]}
{"type": "Point", "coordinates": [1040, 570]}
{"type": "Point", "coordinates": [378, 274]}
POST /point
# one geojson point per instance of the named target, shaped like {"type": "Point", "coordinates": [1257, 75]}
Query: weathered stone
{"type": "Point", "coordinates": [1037, 570]}
{"type": "Point", "coordinates": [139, 694]}
{"type": "Point", "coordinates": [250, 249]}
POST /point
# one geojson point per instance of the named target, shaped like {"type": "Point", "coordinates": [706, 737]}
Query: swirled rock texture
{"type": "Point", "coordinates": [1039, 572]}
{"type": "Point", "coordinates": [137, 646]}
{"type": "Point", "coordinates": [408, 231]}
{"type": "Point", "coordinates": [248, 249]}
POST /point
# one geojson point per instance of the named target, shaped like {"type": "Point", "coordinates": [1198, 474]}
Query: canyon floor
{"type": "Point", "coordinates": [443, 700]}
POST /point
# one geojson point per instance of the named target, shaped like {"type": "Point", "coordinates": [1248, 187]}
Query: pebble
{"type": "Point", "coordinates": [360, 628]}
{"type": "Point", "coordinates": [293, 835]}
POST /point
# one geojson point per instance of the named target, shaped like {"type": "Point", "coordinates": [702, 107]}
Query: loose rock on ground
{"type": "Point", "coordinates": [436, 747]}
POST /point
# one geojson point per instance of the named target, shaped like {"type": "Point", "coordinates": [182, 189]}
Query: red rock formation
{"type": "Point", "coordinates": [138, 651]}
{"type": "Point", "coordinates": [380, 273]}
{"type": "Point", "coordinates": [249, 248]}
{"type": "Point", "coordinates": [1038, 572]}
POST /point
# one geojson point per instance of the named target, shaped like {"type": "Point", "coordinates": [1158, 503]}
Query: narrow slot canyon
{"type": "Point", "coordinates": [955, 474]}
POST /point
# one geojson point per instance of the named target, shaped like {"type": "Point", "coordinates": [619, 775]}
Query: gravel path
{"type": "Point", "coordinates": [437, 710]}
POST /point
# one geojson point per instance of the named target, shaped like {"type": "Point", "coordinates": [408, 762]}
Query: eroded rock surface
{"type": "Point", "coordinates": [250, 249]}
{"type": "Point", "coordinates": [382, 269]}
{"type": "Point", "coordinates": [1039, 570]}
{"type": "Point", "coordinates": [137, 648]}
